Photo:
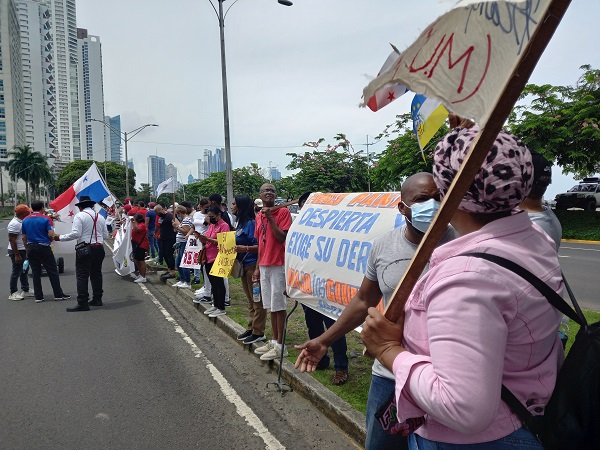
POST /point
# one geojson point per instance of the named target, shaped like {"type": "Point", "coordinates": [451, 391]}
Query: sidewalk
{"type": "Point", "coordinates": [337, 410]}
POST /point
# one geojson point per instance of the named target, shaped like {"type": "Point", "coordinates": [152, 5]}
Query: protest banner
{"type": "Point", "coordinates": [328, 246]}
{"type": "Point", "coordinates": [121, 250]}
{"type": "Point", "coordinates": [191, 254]}
{"type": "Point", "coordinates": [226, 256]}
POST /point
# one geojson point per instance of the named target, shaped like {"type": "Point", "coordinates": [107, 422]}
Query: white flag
{"type": "Point", "coordinates": [166, 187]}
{"type": "Point", "coordinates": [122, 249]}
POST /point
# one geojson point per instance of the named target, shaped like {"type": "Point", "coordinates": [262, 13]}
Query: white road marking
{"type": "Point", "coordinates": [562, 256]}
{"type": "Point", "coordinates": [243, 410]}
{"type": "Point", "coordinates": [578, 248]}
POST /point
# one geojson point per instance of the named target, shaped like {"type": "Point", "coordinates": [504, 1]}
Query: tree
{"type": "Point", "coordinates": [144, 193]}
{"type": "Point", "coordinates": [29, 166]}
{"type": "Point", "coordinates": [402, 157]}
{"type": "Point", "coordinates": [562, 122]}
{"type": "Point", "coordinates": [338, 168]}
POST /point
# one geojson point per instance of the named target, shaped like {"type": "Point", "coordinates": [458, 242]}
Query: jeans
{"type": "Point", "coordinates": [90, 268]}
{"type": "Point", "coordinates": [17, 272]}
{"type": "Point", "coordinates": [218, 288]}
{"type": "Point", "coordinates": [316, 323]}
{"type": "Point", "coordinates": [377, 439]}
{"type": "Point", "coordinates": [152, 241]}
{"type": "Point", "coordinates": [41, 255]}
{"type": "Point", "coordinates": [520, 439]}
{"type": "Point", "coordinates": [184, 274]}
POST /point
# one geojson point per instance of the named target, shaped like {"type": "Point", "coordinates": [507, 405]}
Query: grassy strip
{"type": "Point", "coordinates": [591, 317]}
{"type": "Point", "coordinates": [579, 224]}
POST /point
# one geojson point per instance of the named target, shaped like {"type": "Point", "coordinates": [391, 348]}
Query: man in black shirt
{"type": "Point", "coordinates": [167, 239]}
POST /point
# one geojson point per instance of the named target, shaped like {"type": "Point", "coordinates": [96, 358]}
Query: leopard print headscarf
{"type": "Point", "coordinates": [502, 183]}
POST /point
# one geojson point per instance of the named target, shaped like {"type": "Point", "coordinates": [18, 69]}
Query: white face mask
{"type": "Point", "coordinates": [422, 214]}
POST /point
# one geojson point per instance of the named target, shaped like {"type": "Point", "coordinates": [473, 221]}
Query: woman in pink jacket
{"type": "Point", "coordinates": [470, 325]}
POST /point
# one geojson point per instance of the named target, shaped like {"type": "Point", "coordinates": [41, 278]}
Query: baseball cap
{"type": "Point", "coordinates": [127, 207]}
{"type": "Point", "coordinates": [19, 209]}
{"type": "Point", "coordinates": [542, 169]}
{"type": "Point", "coordinates": [151, 205]}
{"type": "Point", "coordinates": [258, 202]}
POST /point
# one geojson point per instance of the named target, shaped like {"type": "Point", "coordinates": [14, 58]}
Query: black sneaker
{"type": "Point", "coordinates": [244, 335]}
{"type": "Point", "coordinates": [254, 338]}
{"type": "Point", "coordinates": [227, 303]}
{"type": "Point", "coordinates": [206, 300]}
{"type": "Point", "coordinates": [64, 297]}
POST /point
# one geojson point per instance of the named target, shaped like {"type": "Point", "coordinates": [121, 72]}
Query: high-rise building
{"type": "Point", "coordinates": [91, 96]}
{"type": "Point", "coordinates": [211, 163]}
{"type": "Point", "coordinates": [275, 174]}
{"type": "Point", "coordinates": [190, 179]}
{"type": "Point", "coordinates": [115, 138]}
{"type": "Point", "coordinates": [172, 172]}
{"type": "Point", "coordinates": [157, 171]}
{"type": "Point", "coordinates": [12, 119]}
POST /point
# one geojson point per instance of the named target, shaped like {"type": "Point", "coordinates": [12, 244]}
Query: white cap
{"type": "Point", "coordinates": [258, 202]}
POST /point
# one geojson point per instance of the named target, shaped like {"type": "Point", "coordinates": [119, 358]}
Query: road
{"type": "Point", "coordinates": [579, 263]}
{"type": "Point", "coordinates": [134, 374]}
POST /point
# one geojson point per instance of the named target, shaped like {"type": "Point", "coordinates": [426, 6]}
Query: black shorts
{"type": "Point", "coordinates": [139, 254]}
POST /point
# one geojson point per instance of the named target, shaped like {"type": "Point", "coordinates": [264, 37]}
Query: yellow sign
{"type": "Point", "coordinates": [226, 256]}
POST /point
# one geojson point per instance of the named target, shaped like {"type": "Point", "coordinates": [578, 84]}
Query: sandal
{"type": "Point", "coordinates": [341, 376]}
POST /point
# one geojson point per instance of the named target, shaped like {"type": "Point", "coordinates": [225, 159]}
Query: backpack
{"type": "Point", "coordinates": [571, 418]}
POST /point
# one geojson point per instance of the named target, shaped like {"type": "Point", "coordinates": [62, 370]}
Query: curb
{"type": "Point", "coordinates": [580, 241]}
{"type": "Point", "coordinates": [340, 412]}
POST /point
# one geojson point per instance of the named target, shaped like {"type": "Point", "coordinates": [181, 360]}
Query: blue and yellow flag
{"type": "Point", "coordinates": [428, 116]}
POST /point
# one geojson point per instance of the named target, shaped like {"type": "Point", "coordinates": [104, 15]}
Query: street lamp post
{"type": "Point", "coordinates": [221, 19]}
{"type": "Point", "coordinates": [125, 136]}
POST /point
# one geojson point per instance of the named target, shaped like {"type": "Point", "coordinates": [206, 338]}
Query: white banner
{"type": "Point", "coordinates": [122, 249]}
{"type": "Point", "coordinates": [328, 246]}
{"type": "Point", "coordinates": [465, 57]}
{"type": "Point", "coordinates": [193, 247]}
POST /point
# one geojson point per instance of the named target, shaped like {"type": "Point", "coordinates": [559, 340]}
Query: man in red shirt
{"type": "Point", "coordinates": [272, 225]}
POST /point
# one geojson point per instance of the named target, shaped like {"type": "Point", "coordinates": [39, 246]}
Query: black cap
{"type": "Point", "coordinates": [542, 169]}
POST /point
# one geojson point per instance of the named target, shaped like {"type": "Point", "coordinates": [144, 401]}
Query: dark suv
{"type": "Point", "coordinates": [585, 195]}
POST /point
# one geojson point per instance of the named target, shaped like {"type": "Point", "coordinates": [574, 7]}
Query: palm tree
{"type": "Point", "coordinates": [29, 166]}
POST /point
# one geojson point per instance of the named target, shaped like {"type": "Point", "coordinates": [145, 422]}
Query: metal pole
{"type": "Point", "coordinates": [368, 165]}
{"type": "Point", "coordinates": [228, 172]}
{"type": "Point", "coordinates": [126, 166]}
{"type": "Point", "coordinates": [2, 185]}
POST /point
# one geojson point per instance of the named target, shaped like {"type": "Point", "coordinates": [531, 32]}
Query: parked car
{"type": "Point", "coordinates": [585, 195]}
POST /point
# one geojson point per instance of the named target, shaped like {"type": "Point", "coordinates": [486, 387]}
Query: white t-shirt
{"type": "Point", "coordinates": [198, 220]}
{"type": "Point", "coordinates": [14, 227]}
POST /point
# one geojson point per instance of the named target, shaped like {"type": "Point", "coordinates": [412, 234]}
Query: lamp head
{"type": "Point", "coordinates": [285, 2]}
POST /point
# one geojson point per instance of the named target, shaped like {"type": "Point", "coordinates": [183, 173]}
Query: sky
{"type": "Point", "coordinates": [295, 74]}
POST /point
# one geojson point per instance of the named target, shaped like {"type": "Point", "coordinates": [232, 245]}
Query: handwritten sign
{"type": "Point", "coordinates": [328, 246]}
{"type": "Point", "coordinates": [191, 254]}
{"type": "Point", "coordinates": [466, 55]}
{"type": "Point", "coordinates": [226, 256]}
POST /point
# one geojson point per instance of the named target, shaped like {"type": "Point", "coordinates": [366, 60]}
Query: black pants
{"type": "Point", "coordinates": [218, 288]}
{"type": "Point", "coordinates": [167, 252]}
{"type": "Point", "coordinates": [17, 272]}
{"type": "Point", "coordinates": [89, 268]}
{"type": "Point", "coordinates": [41, 255]}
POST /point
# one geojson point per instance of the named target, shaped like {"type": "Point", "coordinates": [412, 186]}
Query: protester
{"type": "Point", "coordinates": [38, 233]}
{"type": "Point", "coordinates": [217, 225]}
{"type": "Point", "coordinates": [89, 228]}
{"type": "Point", "coordinates": [539, 213]}
{"type": "Point", "coordinates": [272, 225]}
{"type": "Point", "coordinates": [140, 244]}
{"type": "Point", "coordinates": [167, 240]}
{"type": "Point", "coordinates": [150, 221]}
{"type": "Point", "coordinates": [471, 326]}
{"type": "Point", "coordinates": [17, 253]}
{"type": "Point", "coordinates": [182, 225]}
{"type": "Point", "coordinates": [389, 257]}
{"type": "Point", "coordinates": [246, 248]}
{"type": "Point", "coordinates": [217, 200]}
{"type": "Point", "coordinates": [200, 224]}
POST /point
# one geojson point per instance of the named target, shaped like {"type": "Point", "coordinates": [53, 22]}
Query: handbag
{"type": "Point", "coordinates": [387, 417]}
{"type": "Point", "coordinates": [238, 268]}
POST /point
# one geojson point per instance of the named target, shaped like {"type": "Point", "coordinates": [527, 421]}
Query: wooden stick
{"type": "Point", "coordinates": [479, 150]}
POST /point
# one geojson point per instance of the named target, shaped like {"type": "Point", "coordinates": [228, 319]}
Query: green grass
{"type": "Point", "coordinates": [579, 224]}
{"type": "Point", "coordinates": [591, 317]}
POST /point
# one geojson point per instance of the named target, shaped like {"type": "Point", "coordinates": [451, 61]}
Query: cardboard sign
{"type": "Point", "coordinates": [466, 55]}
{"type": "Point", "coordinates": [190, 259]}
{"type": "Point", "coordinates": [226, 256]}
{"type": "Point", "coordinates": [328, 246]}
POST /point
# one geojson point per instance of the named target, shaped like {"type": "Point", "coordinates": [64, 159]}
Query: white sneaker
{"type": "Point", "coordinates": [274, 353]}
{"type": "Point", "coordinates": [185, 286]}
{"type": "Point", "coordinates": [178, 284]}
{"type": "Point", "coordinates": [140, 280]}
{"type": "Point", "coordinates": [15, 296]}
{"type": "Point", "coordinates": [210, 310]}
{"type": "Point", "coordinates": [201, 292]}
{"type": "Point", "coordinates": [264, 349]}
{"type": "Point", "coordinates": [217, 312]}
{"type": "Point", "coordinates": [27, 294]}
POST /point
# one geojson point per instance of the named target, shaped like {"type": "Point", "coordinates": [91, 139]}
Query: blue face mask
{"type": "Point", "coordinates": [422, 214]}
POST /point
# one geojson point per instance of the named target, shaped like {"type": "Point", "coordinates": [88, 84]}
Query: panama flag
{"type": "Point", "coordinates": [90, 184]}
{"type": "Point", "coordinates": [391, 91]}
{"type": "Point", "coordinates": [428, 116]}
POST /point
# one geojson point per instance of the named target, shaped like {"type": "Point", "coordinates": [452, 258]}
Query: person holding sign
{"type": "Point", "coordinates": [272, 225]}
{"type": "Point", "coordinates": [388, 259]}
{"type": "Point", "coordinates": [471, 326]}
{"type": "Point", "coordinates": [217, 225]}
{"type": "Point", "coordinates": [246, 248]}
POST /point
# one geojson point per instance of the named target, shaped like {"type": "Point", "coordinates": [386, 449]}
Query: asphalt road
{"type": "Point", "coordinates": [579, 263]}
{"type": "Point", "coordinates": [134, 374]}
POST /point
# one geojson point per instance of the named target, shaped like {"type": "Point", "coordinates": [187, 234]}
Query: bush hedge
{"type": "Point", "coordinates": [579, 224]}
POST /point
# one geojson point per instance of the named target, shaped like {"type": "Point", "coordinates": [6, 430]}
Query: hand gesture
{"type": "Point", "coordinates": [311, 353]}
